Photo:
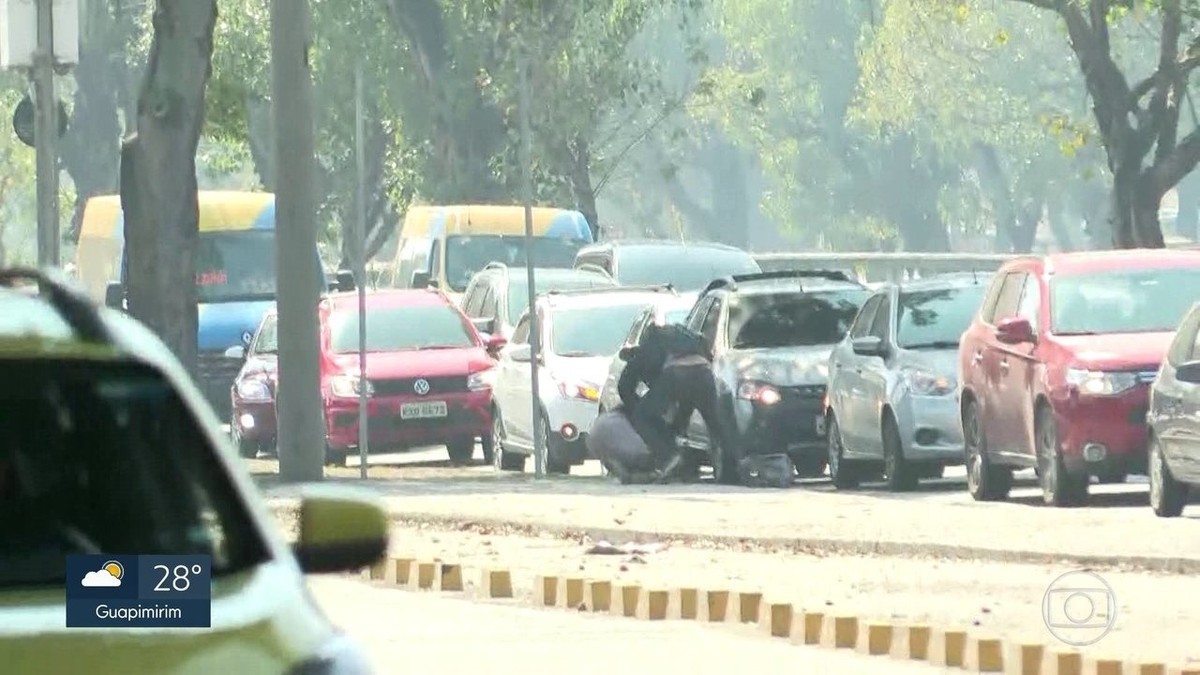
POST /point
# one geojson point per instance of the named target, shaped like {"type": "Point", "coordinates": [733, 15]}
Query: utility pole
{"type": "Point", "coordinates": [360, 260]}
{"type": "Point", "coordinates": [46, 138]}
{"type": "Point", "coordinates": [301, 423]}
{"type": "Point", "coordinates": [535, 328]}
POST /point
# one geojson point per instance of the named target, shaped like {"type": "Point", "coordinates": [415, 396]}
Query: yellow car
{"type": "Point", "coordinates": [107, 449]}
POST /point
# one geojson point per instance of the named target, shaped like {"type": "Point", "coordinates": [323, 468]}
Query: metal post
{"type": "Point", "coordinates": [301, 424]}
{"type": "Point", "coordinates": [360, 248]}
{"type": "Point", "coordinates": [46, 138]}
{"type": "Point", "coordinates": [535, 332]}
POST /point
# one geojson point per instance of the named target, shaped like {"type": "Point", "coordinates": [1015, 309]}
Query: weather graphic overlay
{"type": "Point", "coordinates": [142, 591]}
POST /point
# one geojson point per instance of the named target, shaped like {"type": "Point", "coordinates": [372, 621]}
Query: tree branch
{"type": "Point", "coordinates": [1179, 163]}
{"type": "Point", "coordinates": [1163, 112]}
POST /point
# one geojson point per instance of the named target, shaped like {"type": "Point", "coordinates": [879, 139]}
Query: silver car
{"type": "Point", "coordinates": [668, 310]}
{"type": "Point", "coordinates": [892, 381]}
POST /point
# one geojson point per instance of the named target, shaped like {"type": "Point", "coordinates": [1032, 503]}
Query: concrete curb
{"type": "Point", "coordinates": [819, 546]}
{"type": "Point", "coordinates": [965, 650]}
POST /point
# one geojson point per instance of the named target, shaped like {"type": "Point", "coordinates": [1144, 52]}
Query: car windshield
{"type": "Point", "coordinates": [936, 318]}
{"type": "Point", "coordinates": [769, 320]}
{"type": "Point", "coordinates": [687, 269]}
{"type": "Point", "coordinates": [83, 471]}
{"type": "Point", "coordinates": [518, 287]}
{"type": "Point", "coordinates": [593, 331]}
{"type": "Point", "coordinates": [238, 265]}
{"type": "Point", "coordinates": [465, 256]}
{"type": "Point", "coordinates": [268, 337]}
{"type": "Point", "coordinates": [398, 329]}
{"type": "Point", "coordinates": [1122, 301]}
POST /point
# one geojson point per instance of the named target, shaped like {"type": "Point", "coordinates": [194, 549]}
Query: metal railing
{"type": "Point", "coordinates": [884, 266]}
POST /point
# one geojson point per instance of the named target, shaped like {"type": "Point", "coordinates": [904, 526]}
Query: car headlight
{"type": "Point", "coordinates": [759, 392]}
{"type": "Point", "coordinates": [925, 383]}
{"type": "Point", "coordinates": [482, 380]}
{"type": "Point", "coordinates": [348, 386]}
{"type": "Point", "coordinates": [339, 656]}
{"type": "Point", "coordinates": [582, 391]}
{"type": "Point", "coordinates": [1101, 383]}
{"type": "Point", "coordinates": [254, 390]}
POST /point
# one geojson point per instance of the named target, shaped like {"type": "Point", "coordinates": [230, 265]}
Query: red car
{"type": "Point", "coordinates": [1056, 367]}
{"type": "Point", "coordinates": [429, 374]}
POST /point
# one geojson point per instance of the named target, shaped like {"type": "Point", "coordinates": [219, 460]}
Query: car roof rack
{"type": "Point", "coordinates": [662, 288]}
{"type": "Point", "coordinates": [73, 305]}
{"type": "Point", "coordinates": [731, 282]}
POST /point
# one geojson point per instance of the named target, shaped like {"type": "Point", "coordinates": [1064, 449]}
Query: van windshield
{"type": "Point", "coordinates": [466, 255]}
{"type": "Point", "coordinates": [235, 265]}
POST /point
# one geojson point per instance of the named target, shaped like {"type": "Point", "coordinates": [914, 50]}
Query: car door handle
{"type": "Point", "coordinates": [977, 358]}
{"type": "Point", "coordinates": [1004, 365]}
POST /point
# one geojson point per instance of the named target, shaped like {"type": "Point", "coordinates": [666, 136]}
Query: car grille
{"type": "Point", "coordinates": [804, 392]}
{"type": "Point", "coordinates": [407, 386]}
{"type": "Point", "coordinates": [217, 373]}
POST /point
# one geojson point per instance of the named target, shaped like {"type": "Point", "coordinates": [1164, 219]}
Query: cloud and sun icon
{"type": "Point", "coordinates": [108, 576]}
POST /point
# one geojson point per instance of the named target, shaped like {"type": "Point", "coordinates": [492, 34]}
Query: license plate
{"type": "Point", "coordinates": [820, 425]}
{"type": "Point", "coordinates": [424, 409]}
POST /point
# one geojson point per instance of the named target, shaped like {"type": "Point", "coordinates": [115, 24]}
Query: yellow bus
{"type": "Point", "coordinates": [446, 245]}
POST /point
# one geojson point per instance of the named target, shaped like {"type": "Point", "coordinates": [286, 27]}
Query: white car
{"type": "Point", "coordinates": [580, 333]}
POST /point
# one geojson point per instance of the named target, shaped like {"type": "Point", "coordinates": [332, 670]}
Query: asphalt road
{"type": "Point", "coordinates": [416, 632]}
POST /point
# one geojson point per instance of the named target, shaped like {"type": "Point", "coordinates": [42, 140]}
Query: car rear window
{"type": "Point", "coordinates": [770, 320]}
{"type": "Point", "coordinates": [105, 457]}
{"type": "Point", "coordinates": [518, 287]}
{"type": "Point", "coordinates": [687, 269]}
{"type": "Point", "coordinates": [593, 331]}
{"type": "Point", "coordinates": [936, 317]}
{"type": "Point", "coordinates": [1122, 301]}
{"type": "Point", "coordinates": [397, 329]}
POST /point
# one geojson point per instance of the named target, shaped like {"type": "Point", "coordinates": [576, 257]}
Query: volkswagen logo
{"type": "Point", "coordinates": [421, 386]}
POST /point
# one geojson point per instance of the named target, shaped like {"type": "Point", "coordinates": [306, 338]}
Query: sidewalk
{"type": "Point", "coordinates": [1121, 531]}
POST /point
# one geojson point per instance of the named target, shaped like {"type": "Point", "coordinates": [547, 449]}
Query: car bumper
{"type": "Point", "coordinates": [570, 420]}
{"type": "Point", "coordinates": [795, 425]}
{"type": "Point", "coordinates": [930, 429]}
{"type": "Point", "coordinates": [468, 415]}
{"type": "Point", "coordinates": [1104, 433]}
{"type": "Point", "coordinates": [255, 420]}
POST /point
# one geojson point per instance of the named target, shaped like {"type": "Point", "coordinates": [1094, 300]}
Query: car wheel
{"type": "Point", "coordinates": [501, 460]}
{"type": "Point", "coordinates": [1059, 486]}
{"type": "Point", "coordinates": [460, 451]}
{"type": "Point", "coordinates": [724, 464]}
{"type": "Point", "coordinates": [900, 475]}
{"type": "Point", "coordinates": [1167, 495]}
{"type": "Point", "coordinates": [335, 457]}
{"type": "Point", "coordinates": [553, 464]}
{"type": "Point", "coordinates": [488, 442]}
{"type": "Point", "coordinates": [985, 482]}
{"type": "Point", "coordinates": [842, 472]}
{"type": "Point", "coordinates": [245, 448]}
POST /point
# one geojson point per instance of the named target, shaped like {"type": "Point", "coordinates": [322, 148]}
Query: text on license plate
{"type": "Point", "coordinates": [410, 411]}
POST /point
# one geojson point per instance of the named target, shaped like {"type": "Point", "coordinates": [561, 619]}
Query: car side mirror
{"type": "Point", "coordinates": [345, 281]}
{"type": "Point", "coordinates": [494, 343]}
{"type": "Point", "coordinates": [485, 324]}
{"type": "Point", "coordinates": [626, 352]}
{"type": "Point", "coordinates": [114, 295]}
{"type": "Point", "coordinates": [236, 352]}
{"type": "Point", "coordinates": [341, 530]}
{"type": "Point", "coordinates": [1188, 372]}
{"type": "Point", "coordinates": [868, 345]}
{"type": "Point", "coordinates": [1014, 331]}
{"type": "Point", "coordinates": [421, 280]}
{"type": "Point", "coordinates": [521, 354]}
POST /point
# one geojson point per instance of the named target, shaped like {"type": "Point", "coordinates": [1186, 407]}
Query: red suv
{"type": "Point", "coordinates": [1056, 367]}
{"type": "Point", "coordinates": [429, 374]}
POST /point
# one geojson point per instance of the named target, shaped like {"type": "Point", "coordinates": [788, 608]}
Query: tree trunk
{"type": "Point", "coordinates": [91, 147]}
{"type": "Point", "coordinates": [158, 174]}
{"type": "Point", "coordinates": [579, 163]}
{"type": "Point", "coordinates": [260, 137]}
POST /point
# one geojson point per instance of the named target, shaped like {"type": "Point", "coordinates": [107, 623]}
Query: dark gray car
{"type": "Point", "coordinates": [1174, 419]}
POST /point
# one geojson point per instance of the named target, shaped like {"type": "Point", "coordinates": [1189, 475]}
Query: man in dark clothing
{"type": "Point", "coordinates": [676, 367]}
